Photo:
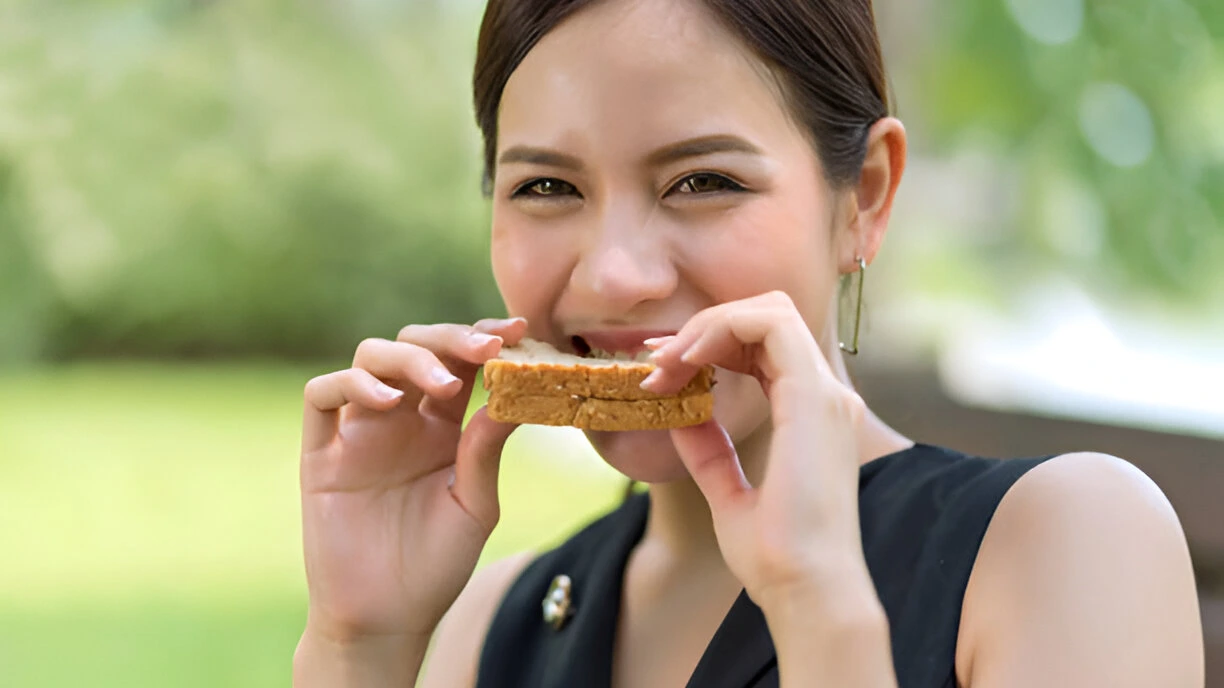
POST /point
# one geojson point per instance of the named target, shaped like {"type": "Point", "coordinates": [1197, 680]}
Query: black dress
{"type": "Point", "coordinates": [924, 511]}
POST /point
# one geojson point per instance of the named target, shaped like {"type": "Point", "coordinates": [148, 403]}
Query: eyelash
{"type": "Point", "coordinates": [525, 191]}
{"type": "Point", "coordinates": [731, 186]}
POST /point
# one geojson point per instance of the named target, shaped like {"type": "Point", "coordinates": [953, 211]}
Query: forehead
{"type": "Point", "coordinates": [640, 72]}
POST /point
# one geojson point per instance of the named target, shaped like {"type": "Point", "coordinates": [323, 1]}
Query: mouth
{"type": "Point", "coordinates": [614, 343]}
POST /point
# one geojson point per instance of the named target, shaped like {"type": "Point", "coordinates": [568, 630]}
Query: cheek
{"type": "Point", "coordinates": [762, 246]}
{"type": "Point", "coordinates": [530, 267]}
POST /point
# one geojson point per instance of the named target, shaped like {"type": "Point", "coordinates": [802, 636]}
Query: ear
{"type": "Point", "coordinates": [871, 201]}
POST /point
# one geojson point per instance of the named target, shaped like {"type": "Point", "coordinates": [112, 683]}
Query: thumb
{"type": "Point", "coordinates": [709, 456]}
{"type": "Point", "coordinates": [477, 462]}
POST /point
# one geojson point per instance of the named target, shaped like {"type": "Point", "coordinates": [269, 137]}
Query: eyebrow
{"type": "Point", "coordinates": [540, 156]}
{"type": "Point", "coordinates": [691, 148]}
{"type": "Point", "coordinates": [704, 145]}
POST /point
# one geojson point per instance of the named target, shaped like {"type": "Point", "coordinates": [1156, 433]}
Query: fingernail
{"type": "Point", "coordinates": [480, 339]}
{"type": "Point", "coordinates": [388, 393]}
{"type": "Point", "coordinates": [442, 377]}
{"type": "Point", "coordinates": [659, 342]}
{"type": "Point", "coordinates": [654, 376]}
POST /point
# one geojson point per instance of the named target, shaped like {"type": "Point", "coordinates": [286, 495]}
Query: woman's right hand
{"type": "Point", "coordinates": [397, 499]}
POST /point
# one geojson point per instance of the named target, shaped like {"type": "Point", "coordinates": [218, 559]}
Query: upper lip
{"type": "Point", "coordinates": [618, 341]}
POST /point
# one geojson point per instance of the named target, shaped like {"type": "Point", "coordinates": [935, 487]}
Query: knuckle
{"type": "Point", "coordinates": [417, 355]}
{"type": "Point", "coordinates": [492, 517]}
{"type": "Point", "coordinates": [353, 376]}
{"type": "Point", "coordinates": [322, 382]}
{"type": "Point", "coordinates": [430, 338]}
{"type": "Point", "coordinates": [410, 333]}
{"type": "Point", "coordinates": [367, 347]}
{"type": "Point", "coordinates": [417, 362]}
{"type": "Point", "coordinates": [313, 386]}
{"type": "Point", "coordinates": [855, 407]}
{"type": "Point", "coordinates": [780, 299]}
{"type": "Point", "coordinates": [487, 324]}
{"type": "Point", "coordinates": [846, 403]}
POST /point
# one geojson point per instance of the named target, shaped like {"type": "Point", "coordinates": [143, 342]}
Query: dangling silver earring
{"type": "Point", "coordinates": [858, 311]}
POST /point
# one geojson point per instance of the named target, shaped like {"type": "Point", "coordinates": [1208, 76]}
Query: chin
{"type": "Point", "coordinates": [648, 456]}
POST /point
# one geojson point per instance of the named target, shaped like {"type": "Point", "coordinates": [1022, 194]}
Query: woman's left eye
{"type": "Point", "coordinates": [704, 183]}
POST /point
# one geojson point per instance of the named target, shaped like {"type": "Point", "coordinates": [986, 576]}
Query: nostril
{"type": "Point", "coordinates": [580, 346]}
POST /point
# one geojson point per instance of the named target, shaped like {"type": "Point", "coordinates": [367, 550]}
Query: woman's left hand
{"type": "Point", "coordinates": [796, 535]}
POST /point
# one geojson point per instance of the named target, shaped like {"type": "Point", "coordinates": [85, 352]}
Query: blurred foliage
{"type": "Point", "coordinates": [1107, 116]}
{"type": "Point", "coordinates": [285, 177]}
{"type": "Point", "coordinates": [204, 178]}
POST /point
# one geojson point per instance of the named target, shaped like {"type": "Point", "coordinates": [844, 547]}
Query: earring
{"type": "Point", "coordinates": [858, 311]}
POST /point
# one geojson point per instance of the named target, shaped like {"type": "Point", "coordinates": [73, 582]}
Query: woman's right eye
{"type": "Point", "coordinates": [545, 188]}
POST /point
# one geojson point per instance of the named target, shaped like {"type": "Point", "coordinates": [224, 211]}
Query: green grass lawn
{"type": "Point", "coordinates": [149, 524]}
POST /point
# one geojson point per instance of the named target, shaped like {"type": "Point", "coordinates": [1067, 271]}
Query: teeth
{"type": "Point", "coordinates": [640, 357]}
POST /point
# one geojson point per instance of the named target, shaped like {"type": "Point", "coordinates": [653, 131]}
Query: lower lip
{"type": "Point", "coordinates": [621, 434]}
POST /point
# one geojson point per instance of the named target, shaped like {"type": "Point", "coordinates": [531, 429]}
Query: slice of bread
{"type": "Point", "coordinates": [533, 383]}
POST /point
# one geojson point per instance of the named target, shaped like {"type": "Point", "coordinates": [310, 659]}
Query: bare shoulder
{"type": "Point", "coordinates": [1083, 578]}
{"type": "Point", "coordinates": [455, 653]}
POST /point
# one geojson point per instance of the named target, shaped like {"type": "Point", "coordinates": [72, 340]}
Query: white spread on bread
{"type": "Point", "coordinates": [530, 351]}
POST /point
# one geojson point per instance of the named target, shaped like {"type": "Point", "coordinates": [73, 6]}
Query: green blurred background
{"type": "Point", "coordinates": [205, 202]}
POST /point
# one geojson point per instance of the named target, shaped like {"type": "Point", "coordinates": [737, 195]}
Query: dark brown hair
{"type": "Point", "coordinates": [825, 53]}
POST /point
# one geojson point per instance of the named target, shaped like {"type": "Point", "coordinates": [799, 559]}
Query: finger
{"type": "Point", "coordinates": [709, 456]}
{"type": "Point", "coordinates": [764, 336]}
{"type": "Point", "coordinates": [473, 344]}
{"type": "Point", "coordinates": [463, 350]}
{"type": "Point", "coordinates": [512, 330]}
{"type": "Point", "coordinates": [659, 342]}
{"type": "Point", "coordinates": [326, 394]}
{"type": "Point", "coordinates": [712, 347]}
{"type": "Point", "coordinates": [770, 338]}
{"type": "Point", "coordinates": [414, 369]}
{"type": "Point", "coordinates": [477, 464]}
{"type": "Point", "coordinates": [671, 372]}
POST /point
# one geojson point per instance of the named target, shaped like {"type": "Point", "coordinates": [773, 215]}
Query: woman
{"type": "Point", "coordinates": [693, 177]}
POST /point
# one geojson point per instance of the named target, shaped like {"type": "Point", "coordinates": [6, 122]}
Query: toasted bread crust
{"type": "Point", "coordinates": [602, 414]}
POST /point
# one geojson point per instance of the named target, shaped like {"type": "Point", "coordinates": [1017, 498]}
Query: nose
{"type": "Point", "coordinates": [626, 263]}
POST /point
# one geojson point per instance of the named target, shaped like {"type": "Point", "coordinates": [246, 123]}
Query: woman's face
{"type": "Point", "coordinates": [647, 169]}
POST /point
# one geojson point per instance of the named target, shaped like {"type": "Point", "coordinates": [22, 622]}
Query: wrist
{"type": "Point", "coordinates": [836, 635]}
{"type": "Point", "coordinates": [826, 586]}
{"type": "Point", "coordinates": [367, 661]}
{"type": "Point", "coordinates": [852, 608]}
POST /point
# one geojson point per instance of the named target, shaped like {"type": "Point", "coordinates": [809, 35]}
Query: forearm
{"type": "Point", "coordinates": [832, 639]}
{"type": "Point", "coordinates": [383, 662]}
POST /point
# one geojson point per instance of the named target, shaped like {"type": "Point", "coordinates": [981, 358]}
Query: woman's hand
{"type": "Point", "coordinates": [794, 540]}
{"type": "Point", "coordinates": [397, 500]}
{"type": "Point", "coordinates": [801, 522]}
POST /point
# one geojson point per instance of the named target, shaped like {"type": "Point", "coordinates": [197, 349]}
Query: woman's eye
{"type": "Point", "coordinates": [705, 183]}
{"type": "Point", "coordinates": [546, 188]}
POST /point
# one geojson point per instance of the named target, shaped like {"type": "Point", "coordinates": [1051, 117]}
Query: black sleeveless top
{"type": "Point", "coordinates": [924, 511]}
